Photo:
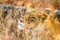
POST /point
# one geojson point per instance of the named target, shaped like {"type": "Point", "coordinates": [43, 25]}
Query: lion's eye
{"type": "Point", "coordinates": [32, 19]}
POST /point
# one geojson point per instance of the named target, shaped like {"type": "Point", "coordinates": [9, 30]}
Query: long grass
{"type": "Point", "coordinates": [34, 26]}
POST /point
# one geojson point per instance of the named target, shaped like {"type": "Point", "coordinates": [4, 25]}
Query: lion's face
{"type": "Point", "coordinates": [32, 20]}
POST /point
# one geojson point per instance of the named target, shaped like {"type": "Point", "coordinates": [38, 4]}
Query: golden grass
{"type": "Point", "coordinates": [38, 25]}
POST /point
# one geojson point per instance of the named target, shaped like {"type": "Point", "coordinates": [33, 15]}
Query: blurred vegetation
{"type": "Point", "coordinates": [31, 20]}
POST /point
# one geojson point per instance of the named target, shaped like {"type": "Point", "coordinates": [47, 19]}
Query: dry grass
{"type": "Point", "coordinates": [38, 25]}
